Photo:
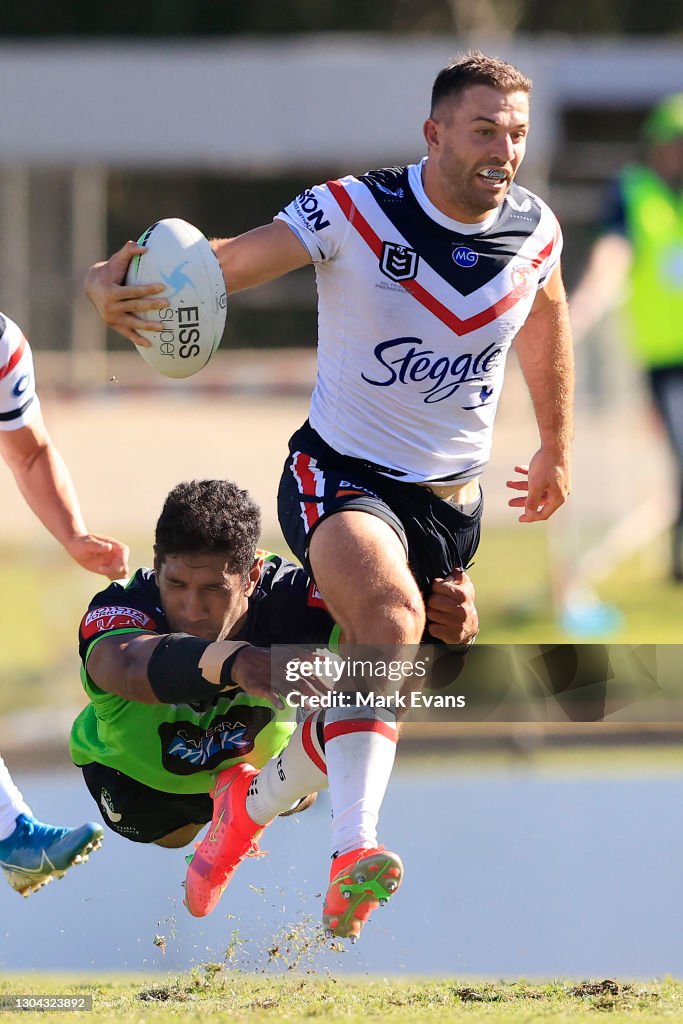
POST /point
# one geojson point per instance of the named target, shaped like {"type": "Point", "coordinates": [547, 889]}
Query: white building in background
{"type": "Point", "coordinates": [282, 102]}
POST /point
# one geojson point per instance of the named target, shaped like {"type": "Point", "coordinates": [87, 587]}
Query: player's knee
{"type": "Point", "coordinates": [410, 619]}
{"type": "Point", "coordinates": [394, 620]}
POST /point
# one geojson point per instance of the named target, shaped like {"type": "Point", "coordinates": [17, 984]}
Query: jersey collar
{"type": "Point", "coordinates": [415, 182]}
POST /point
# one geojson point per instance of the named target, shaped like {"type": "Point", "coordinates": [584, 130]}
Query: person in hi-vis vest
{"type": "Point", "coordinates": [643, 244]}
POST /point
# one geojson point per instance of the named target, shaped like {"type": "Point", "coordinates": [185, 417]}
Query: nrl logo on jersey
{"type": "Point", "coordinates": [398, 262]}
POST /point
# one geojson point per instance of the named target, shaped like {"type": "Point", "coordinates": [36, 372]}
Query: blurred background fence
{"type": "Point", "coordinates": [101, 138]}
{"type": "Point", "coordinates": [102, 135]}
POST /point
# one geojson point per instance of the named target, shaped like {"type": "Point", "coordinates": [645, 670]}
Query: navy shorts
{"type": "Point", "coordinates": [138, 812]}
{"type": "Point", "coordinates": [317, 482]}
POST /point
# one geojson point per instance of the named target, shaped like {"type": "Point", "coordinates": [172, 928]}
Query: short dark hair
{"type": "Point", "coordinates": [476, 68]}
{"type": "Point", "coordinates": [209, 516]}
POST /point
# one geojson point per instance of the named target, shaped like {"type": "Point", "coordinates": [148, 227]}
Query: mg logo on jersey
{"type": "Point", "coordinates": [464, 257]}
{"type": "Point", "coordinates": [398, 262]}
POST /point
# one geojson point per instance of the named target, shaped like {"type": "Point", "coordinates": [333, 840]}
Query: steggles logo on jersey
{"type": "Point", "coordinates": [398, 262]}
{"type": "Point", "coordinates": [414, 365]}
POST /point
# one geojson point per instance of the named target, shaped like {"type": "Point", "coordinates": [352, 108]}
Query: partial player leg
{"type": "Point", "coordinates": [12, 803]}
{"type": "Point", "coordinates": [360, 745]}
{"type": "Point", "coordinates": [31, 852]}
{"type": "Point", "coordinates": [245, 802]}
{"type": "Point", "coordinates": [667, 391]}
{"type": "Point", "coordinates": [141, 814]}
{"type": "Point", "coordinates": [360, 569]}
{"type": "Point", "coordinates": [180, 837]}
{"type": "Point", "coordinates": [298, 771]}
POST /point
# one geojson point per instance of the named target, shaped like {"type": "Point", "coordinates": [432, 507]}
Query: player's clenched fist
{"type": "Point", "coordinates": [451, 612]}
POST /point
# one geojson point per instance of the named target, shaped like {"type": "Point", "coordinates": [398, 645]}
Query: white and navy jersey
{"type": "Point", "coordinates": [18, 399]}
{"type": "Point", "coordinates": [416, 315]}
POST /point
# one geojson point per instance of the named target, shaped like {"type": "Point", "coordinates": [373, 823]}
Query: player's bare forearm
{"type": "Point", "coordinates": [544, 348]}
{"type": "Point", "coordinates": [118, 665]}
{"type": "Point", "coordinates": [121, 665]}
{"type": "Point", "coordinates": [247, 260]}
{"type": "Point", "coordinates": [43, 479]}
{"type": "Point", "coordinates": [260, 255]}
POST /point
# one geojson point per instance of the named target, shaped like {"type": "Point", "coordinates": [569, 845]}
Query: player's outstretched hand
{"type": "Point", "coordinates": [545, 482]}
{"type": "Point", "coordinates": [100, 554]}
{"type": "Point", "coordinates": [255, 673]}
{"type": "Point", "coordinates": [119, 304]}
{"type": "Point", "coordinates": [451, 612]}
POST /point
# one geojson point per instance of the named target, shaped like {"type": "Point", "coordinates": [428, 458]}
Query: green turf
{"type": "Point", "coordinates": [43, 596]}
{"type": "Point", "coordinates": [214, 994]}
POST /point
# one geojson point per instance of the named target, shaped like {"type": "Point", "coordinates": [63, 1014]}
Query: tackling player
{"type": "Point", "coordinates": [180, 717]}
{"type": "Point", "coordinates": [31, 852]}
{"type": "Point", "coordinates": [426, 275]}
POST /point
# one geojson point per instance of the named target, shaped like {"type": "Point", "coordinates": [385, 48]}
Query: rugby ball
{"type": "Point", "coordinates": [179, 256]}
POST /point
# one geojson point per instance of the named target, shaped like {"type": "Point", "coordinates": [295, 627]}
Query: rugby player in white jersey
{"type": "Point", "coordinates": [426, 275]}
{"type": "Point", "coordinates": [31, 852]}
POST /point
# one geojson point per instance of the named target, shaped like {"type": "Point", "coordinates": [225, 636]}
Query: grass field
{"type": "Point", "coordinates": [212, 994]}
{"type": "Point", "coordinates": [43, 596]}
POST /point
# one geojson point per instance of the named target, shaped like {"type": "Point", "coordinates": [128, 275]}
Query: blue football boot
{"type": "Point", "coordinates": [36, 853]}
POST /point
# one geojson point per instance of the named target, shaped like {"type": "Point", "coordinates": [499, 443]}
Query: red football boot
{"type": "Point", "coordinates": [232, 837]}
{"type": "Point", "coordinates": [360, 881]}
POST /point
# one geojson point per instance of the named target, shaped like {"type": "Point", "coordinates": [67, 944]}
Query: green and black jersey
{"type": "Point", "coordinates": [178, 748]}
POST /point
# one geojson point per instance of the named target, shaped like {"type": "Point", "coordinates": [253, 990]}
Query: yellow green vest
{"type": "Point", "coordinates": [654, 216]}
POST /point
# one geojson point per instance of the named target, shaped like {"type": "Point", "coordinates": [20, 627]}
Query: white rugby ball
{"type": "Point", "coordinates": [179, 256]}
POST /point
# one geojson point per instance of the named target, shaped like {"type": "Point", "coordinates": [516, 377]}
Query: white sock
{"type": "Point", "coordinates": [293, 774]}
{"type": "Point", "coordinates": [11, 803]}
{"type": "Point", "coordinates": [360, 747]}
